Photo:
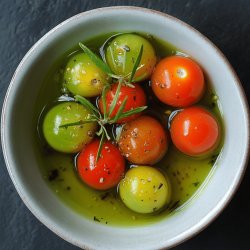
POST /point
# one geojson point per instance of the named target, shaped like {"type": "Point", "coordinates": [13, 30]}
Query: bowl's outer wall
{"type": "Point", "coordinates": [19, 106]}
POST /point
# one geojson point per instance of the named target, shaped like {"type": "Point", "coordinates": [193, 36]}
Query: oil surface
{"type": "Point", "coordinates": [186, 174]}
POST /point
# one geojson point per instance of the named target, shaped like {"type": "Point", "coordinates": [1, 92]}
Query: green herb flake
{"type": "Point", "coordinates": [196, 183]}
{"type": "Point", "coordinates": [104, 196]}
{"type": "Point", "coordinates": [95, 219]}
{"type": "Point", "coordinates": [160, 186]}
{"type": "Point", "coordinates": [174, 205]}
{"type": "Point", "coordinates": [53, 174]}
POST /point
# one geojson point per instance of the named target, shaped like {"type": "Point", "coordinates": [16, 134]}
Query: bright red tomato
{"type": "Point", "coordinates": [195, 131]}
{"type": "Point", "coordinates": [108, 170]}
{"type": "Point", "coordinates": [143, 141]}
{"type": "Point", "coordinates": [136, 98]}
{"type": "Point", "coordinates": [178, 81]}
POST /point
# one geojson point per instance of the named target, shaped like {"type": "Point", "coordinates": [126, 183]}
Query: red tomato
{"type": "Point", "coordinates": [194, 131]}
{"type": "Point", "coordinates": [108, 170]}
{"type": "Point", "coordinates": [136, 98]}
{"type": "Point", "coordinates": [178, 81]}
{"type": "Point", "coordinates": [143, 141]}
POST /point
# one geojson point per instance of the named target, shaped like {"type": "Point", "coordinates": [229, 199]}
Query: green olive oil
{"type": "Point", "coordinates": [187, 175]}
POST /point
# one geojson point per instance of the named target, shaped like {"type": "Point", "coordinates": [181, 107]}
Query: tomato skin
{"type": "Point", "coordinates": [195, 131]}
{"type": "Point", "coordinates": [83, 77]}
{"type": "Point", "coordinates": [135, 98]}
{"type": "Point", "coordinates": [72, 139]}
{"type": "Point", "coordinates": [145, 189]}
{"type": "Point", "coordinates": [108, 170]}
{"type": "Point", "coordinates": [122, 52]}
{"type": "Point", "coordinates": [178, 81]}
{"type": "Point", "coordinates": [143, 141]}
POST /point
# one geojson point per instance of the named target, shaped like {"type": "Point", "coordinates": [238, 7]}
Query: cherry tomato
{"type": "Point", "coordinates": [178, 81]}
{"type": "Point", "coordinates": [143, 141]}
{"type": "Point", "coordinates": [73, 138]}
{"type": "Point", "coordinates": [107, 171]}
{"type": "Point", "coordinates": [83, 77]}
{"type": "Point", "coordinates": [135, 98]}
{"type": "Point", "coordinates": [144, 189]}
{"type": "Point", "coordinates": [195, 131]}
{"type": "Point", "coordinates": [122, 52]}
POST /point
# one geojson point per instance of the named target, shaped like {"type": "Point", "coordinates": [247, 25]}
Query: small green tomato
{"type": "Point", "coordinates": [73, 138]}
{"type": "Point", "coordinates": [122, 52]}
{"type": "Point", "coordinates": [83, 77]}
{"type": "Point", "coordinates": [144, 189]}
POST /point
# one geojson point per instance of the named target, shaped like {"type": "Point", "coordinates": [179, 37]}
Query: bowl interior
{"type": "Point", "coordinates": [19, 126]}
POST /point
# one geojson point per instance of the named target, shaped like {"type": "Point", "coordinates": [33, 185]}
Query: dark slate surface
{"type": "Point", "coordinates": [22, 23]}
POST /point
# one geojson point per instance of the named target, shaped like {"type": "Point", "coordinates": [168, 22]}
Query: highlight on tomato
{"type": "Point", "coordinates": [195, 131]}
{"type": "Point", "coordinates": [121, 56]}
{"type": "Point", "coordinates": [102, 173]}
{"type": "Point", "coordinates": [178, 81]}
{"type": "Point", "coordinates": [145, 189]}
{"type": "Point", "coordinates": [143, 141]}
{"type": "Point", "coordinates": [135, 97]}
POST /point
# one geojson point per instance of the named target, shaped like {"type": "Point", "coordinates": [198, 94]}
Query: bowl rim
{"type": "Point", "coordinates": [210, 217]}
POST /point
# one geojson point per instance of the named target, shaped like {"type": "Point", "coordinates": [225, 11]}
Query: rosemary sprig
{"type": "Point", "coordinates": [106, 118]}
{"type": "Point", "coordinates": [87, 104]}
{"type": "Point", "coordinates": [100, 147]}
{"type": "Point", "coordinates": [137, 62]}
{"type": "Point", "coordinates": [114, 101]}
{"type": "Point", "coordinates": [104, 101]}
{"type": "Point", "coordinates": [120, 110]}
{"type": "Point", "coordinates": [96, 60]}
{"type": "Point", "coordinates": [104, 67]}
{"type": "Point", "coordinates": [132, 112]}
{"type": "Point", "coordinates": [79, 123]}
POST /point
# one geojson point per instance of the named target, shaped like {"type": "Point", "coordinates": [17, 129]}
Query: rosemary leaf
{"type": "Point", "coordinates": [130, 85]}
{"type": "Point", "coordinates": [104, 103]}
{"type": "Point", "coordinates": [85, 102]}
{"type": "Point", "coordinates": [120, 110]}
{"type": "Point", "coordinates": [114, 101]}
{"type": "Point", "coordinates": [100, 148]}
{"type": "Point", "coordinates": [137, 62]}
{"type": "Point", "coordinates": [106, 133]}
{"type": "Point", "coordinates": [115, 76]}
{"type": "Point", "coordinates": [81, 122]}
{"type": "Point", "coordinates": [132, 112]}
{"type": "Point", "coordinates": [96, 60]}
{"type": "Point", "coordinates": [100, 131]}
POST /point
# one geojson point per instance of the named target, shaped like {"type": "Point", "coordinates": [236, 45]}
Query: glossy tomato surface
{"type": "Point", "coordinates": [122, 52]}
{"type": "Point", "coordinates": [107, 171]}
{"type": "Point", "coordinates": [71, 139]}
{"type": "Point", "coordinates": [135, 98]}
{"type": "Point", "coordinates": [195, 131]}
{"type": "Point", "coordinates": [83, 77]}
{"type": "Point", "coordinates": [144, 189]}
{"type": "Point", "coordinates": [143, 141]}
{"type": "Point", "coordinates": [178, 81]}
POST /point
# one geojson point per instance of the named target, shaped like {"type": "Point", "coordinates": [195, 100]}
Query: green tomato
{"type": "Point", "coordinates": [73, 138]}
{"type": "Point", "coordinates": [144, 189]}
{"type": "Point", "coordinates": [83, 77]}
{"type": "Point", "coordinates": [122, 52]}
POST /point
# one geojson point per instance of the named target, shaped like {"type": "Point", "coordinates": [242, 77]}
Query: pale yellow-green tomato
{"type": "Point", "coordinates": [123, 51]}
{"type": "Point", "coordinates": [83, 77]}
{"type": "Point", "coordinates": [144, 189]}
{"type": "Point", "coordinates": [71, 139]}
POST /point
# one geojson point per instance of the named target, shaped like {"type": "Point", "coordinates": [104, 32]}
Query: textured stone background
{"type": "Point", "coordinates": [22, 23]}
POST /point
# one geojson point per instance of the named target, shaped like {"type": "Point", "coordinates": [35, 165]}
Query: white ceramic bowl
{"type": "Point", "coordinates": [18, 125]}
